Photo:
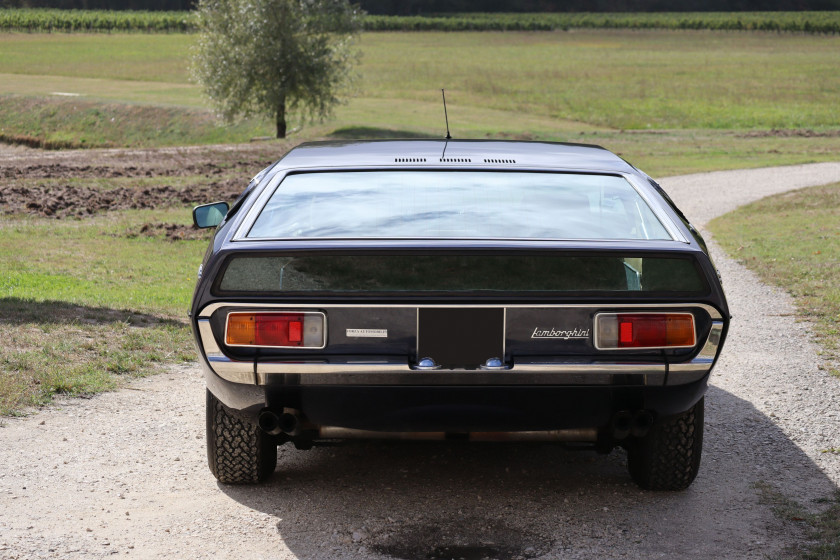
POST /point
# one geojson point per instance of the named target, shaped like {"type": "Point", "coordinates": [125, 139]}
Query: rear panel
{"type": "Point", "coordinates": [456, 336]}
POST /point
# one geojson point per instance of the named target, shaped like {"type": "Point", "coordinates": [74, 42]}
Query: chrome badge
{"type": "Point", "coordinates": [563, 334]}
{"type": "Point", "coordinates": [367, 333]}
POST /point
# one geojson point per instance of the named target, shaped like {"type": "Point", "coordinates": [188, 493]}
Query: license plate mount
{"type": "Point", "coordinates": [458, 338]}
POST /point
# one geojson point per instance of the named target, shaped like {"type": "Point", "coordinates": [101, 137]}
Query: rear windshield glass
{"type": "Point", "coordinates": [460, 273]}
{"type": "Point", "coordinates": [456, 204]}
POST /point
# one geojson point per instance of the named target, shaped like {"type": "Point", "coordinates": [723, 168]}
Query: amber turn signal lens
{"type": "Point", "coordinates": [241, 329]}
{"type": "Point", "coordinates": [679, 330]}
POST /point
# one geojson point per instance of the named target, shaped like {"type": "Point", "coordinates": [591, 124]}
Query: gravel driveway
{"type": "Point", "coordinates": [124, 473]}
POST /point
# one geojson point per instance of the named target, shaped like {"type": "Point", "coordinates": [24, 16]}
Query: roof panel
{"type": "Point", "coordinates": [438, 152]}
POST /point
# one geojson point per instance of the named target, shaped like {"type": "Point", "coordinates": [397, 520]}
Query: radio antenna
{"type": "Point", "coordinates": [445, 115]}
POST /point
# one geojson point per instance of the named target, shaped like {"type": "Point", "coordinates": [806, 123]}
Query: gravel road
{"type": "Point", "coordinates": [124, 473]}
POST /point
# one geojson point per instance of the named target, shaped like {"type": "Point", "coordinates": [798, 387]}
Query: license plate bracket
{"type": "Point", "coordinates": [460, 337]}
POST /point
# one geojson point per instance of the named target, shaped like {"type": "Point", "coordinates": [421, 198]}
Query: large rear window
{"type": "Point", "coordinates": [456, 205]}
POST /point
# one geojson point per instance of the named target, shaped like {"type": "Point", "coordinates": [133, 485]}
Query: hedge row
{"type": "Point", "coordinates": [49, 20]}
{"type": "Point", "coordinates": [803, 22]}
{"type": "Point", "coordinates": [38, 20]}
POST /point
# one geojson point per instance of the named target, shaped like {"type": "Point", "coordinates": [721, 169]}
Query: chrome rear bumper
{"type": "Point", "coordinates": [390, 371]}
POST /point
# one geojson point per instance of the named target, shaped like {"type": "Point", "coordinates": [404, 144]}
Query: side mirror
{"type": "Point", "coordinates": [210, 215]}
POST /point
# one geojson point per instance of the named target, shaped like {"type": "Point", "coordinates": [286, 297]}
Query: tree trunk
{"type": "Point", "coordinates": [281, 119]}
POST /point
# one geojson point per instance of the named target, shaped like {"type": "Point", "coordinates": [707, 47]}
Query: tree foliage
{"type": "Point", "coordinates": [275, 57]}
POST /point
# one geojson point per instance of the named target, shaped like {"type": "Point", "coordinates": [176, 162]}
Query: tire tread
{"type": "Point", "coordinates": [237, 451]}
{"type": "Point", "coordinates": [668, 457]}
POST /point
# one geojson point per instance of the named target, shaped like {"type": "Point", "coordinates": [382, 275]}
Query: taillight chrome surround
{"type": "Point", "coordinates": [312, 328]}
{"type": "Point", "coordinates": [610, 332]}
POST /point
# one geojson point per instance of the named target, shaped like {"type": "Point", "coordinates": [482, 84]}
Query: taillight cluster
{"type": "Point", "coordinates": [276, 329]}
{"type": "Point", "coordinates": [615, 331]}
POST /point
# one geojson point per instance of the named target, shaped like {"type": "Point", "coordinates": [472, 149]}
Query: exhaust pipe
{"type": "Point", "coordinates": [269, 423]}
{"type": "Point", "coordinates": [642, 421]}
{"type": "Point", "coordinates": [622, 424]}
{"type": "Point", "coordinates": [286, 423]}
{"type": "Point", "coordinates": [290, 422]}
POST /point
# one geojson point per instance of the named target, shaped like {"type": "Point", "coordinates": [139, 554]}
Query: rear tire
{"type": "Point", "coordinates": [238, 452]}
{"type": "Point", "coordinates": [668, 457]}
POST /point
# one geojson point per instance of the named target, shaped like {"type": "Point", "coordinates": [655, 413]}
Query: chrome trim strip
{"type": "Point", "coordinates": [417, 335]}
{"type": "Point", "coordinates": [656, 208]}
{"type": "Point", "coordinates": [702, 363]}
{"type": "Point", "coordinates": [256, 208]}
{"type": "Point", "coordinates": [210, 309]}
{"type": "Point", "coordinates": [504, 337]}
{"type": "Point", "coordinates": [233, 370]}
{"type": "Point", "coordinates": [229, 370]}
{"type": "Point", "coordinates": [208, 341]}
{"type": "Point", "coordinates": [400, 373]}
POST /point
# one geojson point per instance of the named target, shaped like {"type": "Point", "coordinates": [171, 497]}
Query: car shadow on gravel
{"type": "Point", "coordinates": [18, 311]}
{"type": "Point", "coordinates": [426, 501]}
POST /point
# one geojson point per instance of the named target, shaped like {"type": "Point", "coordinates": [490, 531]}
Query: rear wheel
{"type": "Point", "coordinates": [668, 457]}
{"type": "Point", "coordinates": [238, 452]}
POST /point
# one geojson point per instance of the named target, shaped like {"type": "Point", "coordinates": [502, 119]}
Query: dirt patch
{"type": "Point", "coordinates": [65, 171]}
{"type": "Point", "coordinates": [77, 201]}
{"type": "Point", "coordinates": [791, 133]}
{"type": "Point", "coordinates": [170, 232]}
{"type": "Point", "coordinates": [467, 539]}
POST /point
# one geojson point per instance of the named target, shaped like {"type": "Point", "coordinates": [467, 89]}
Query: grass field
{"type": "Point", "coordinates": [82, 303]}
{"type": "Point", "coordinates": [792, 240]}
{"type": "Point", "coordinates": [695, 93]}
{"type": "Point", "coordinates": [613, 79]}
{"type": "Point", "coordinates": [670, 102]}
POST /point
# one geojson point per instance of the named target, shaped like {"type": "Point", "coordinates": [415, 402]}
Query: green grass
{"type": "Point", "coordinates": [74, 123]}
{"type": "Point", "coordinates": [617, 79]}
{"type": "Point", "coordinates": [53, 347]}
{"type": "Point", "coordinates": [137, 58]}
{"type": "Point", "coordinates": [82, 304]}
{"type": "Point", "coordinates": [692, 96]}
{"type": "Point", "coordinates": [821, 529]}
{"type": "Point", "coordinates": [792, 240]}
{"type": "Point", "coordinates": [92, 263]}
{"type": "Point", "coordinates": [613, 79]}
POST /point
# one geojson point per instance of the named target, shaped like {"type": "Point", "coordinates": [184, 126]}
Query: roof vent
{"type": "Point", "coordinates": [499, 160]}
{"type": "Point", "coordinates": [455, 160]}
{"type": "Point", "coordinates": [409, 160]}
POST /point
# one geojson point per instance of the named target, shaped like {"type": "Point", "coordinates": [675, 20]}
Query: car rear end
{"type": "Point", "coordinates": [329, 311]}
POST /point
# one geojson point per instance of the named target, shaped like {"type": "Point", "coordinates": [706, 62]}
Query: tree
{"type": "Point", "coordinates": [275, 57]}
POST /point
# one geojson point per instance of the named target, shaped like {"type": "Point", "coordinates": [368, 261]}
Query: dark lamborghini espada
{"type": "Point", "coordinates": [477, 290]}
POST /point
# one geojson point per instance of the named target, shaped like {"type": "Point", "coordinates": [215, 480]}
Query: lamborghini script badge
{"type": "Point", "coordinates": [560, 333]}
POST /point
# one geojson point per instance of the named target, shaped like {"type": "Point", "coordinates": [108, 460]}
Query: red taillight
{"type": "Point", "coordinates": [275, 329]}
{"type": "Point", "coordinates": [645, 330]}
